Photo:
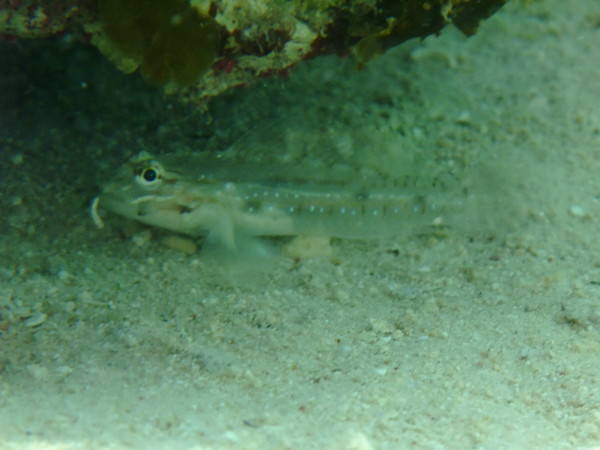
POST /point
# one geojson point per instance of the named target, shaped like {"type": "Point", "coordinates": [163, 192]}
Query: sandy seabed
{"type": "Point", "coordinates": [480, 332]}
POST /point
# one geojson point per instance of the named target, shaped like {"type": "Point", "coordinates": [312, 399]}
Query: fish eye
{"type": "Point", "coordinates": [148, 175]}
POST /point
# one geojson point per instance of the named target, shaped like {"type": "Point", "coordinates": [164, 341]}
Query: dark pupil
{"type": "Point", "coordinates": [149, 175]}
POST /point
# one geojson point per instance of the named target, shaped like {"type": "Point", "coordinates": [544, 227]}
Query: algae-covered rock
{"type": "Point", "coordinates": [42, 18]}
{"type": "Point", "coordinates": [200, 48]}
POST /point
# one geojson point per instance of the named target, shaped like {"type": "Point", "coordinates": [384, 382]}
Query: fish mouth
{"type": "Point", "coordinates": [111, 203]}
{"type": "Point", "coordinates": [159, 211]}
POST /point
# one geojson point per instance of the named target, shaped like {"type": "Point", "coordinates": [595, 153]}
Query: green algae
{"type": "Point", "coordinates": [173, 42]}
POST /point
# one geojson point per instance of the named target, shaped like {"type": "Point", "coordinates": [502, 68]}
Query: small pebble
{"type": "Point", "coordinates": [22, 312]}
{"type": "Point", "coordinates": [304, 247]}
{"type": "Point", "coordinates": [181, 244]}
{"type": "Point", "coordinates": [438, 221]}
{"type": "Point", "coordinates": [36, 320]}
{"type": "Point", "coordinates": [17, 159]}
{"type": "Point", "coordinates": [381, 371]}
{"type": "Point", "coordinates": [142, 238]}
{"type": "Point", "coordinates": [464, 118]}
{"type": "Point", "coordinates": [37, 371]}
{"type": "Point", "coordinates": [65, 276]}
{"type": "Point", "coordinates": [577, 211]}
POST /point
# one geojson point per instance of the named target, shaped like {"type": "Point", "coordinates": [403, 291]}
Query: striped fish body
{"type": "Point", "coordinates": [211, 195]}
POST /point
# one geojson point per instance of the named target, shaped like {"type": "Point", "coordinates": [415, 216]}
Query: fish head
{"type": "Point", "coordinates": [143, 189]}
